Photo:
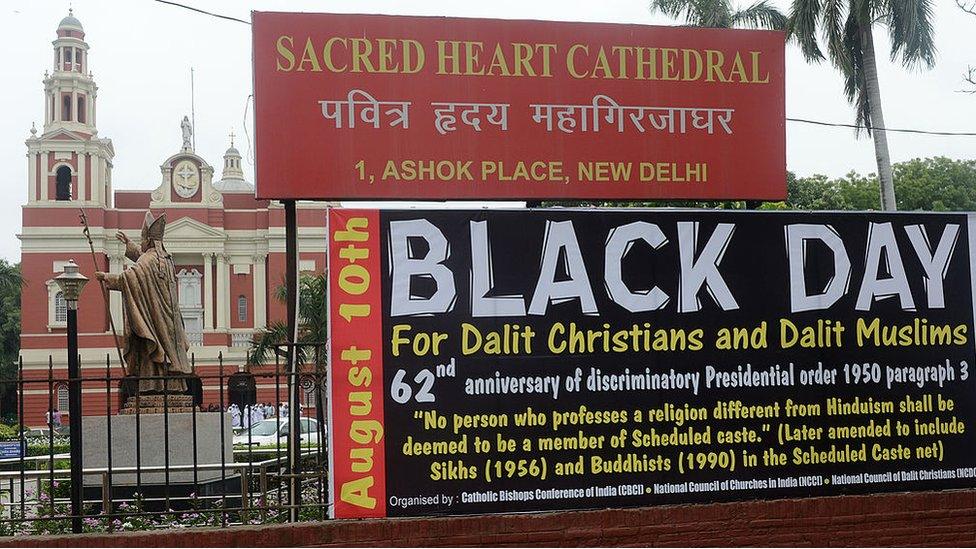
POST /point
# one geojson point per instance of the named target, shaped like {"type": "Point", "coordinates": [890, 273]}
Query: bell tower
{"type": "Point", "coordinates": [68, 163]}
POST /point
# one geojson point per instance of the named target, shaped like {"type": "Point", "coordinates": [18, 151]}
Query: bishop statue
{"type": "Point", "coordinates": [154, 345]}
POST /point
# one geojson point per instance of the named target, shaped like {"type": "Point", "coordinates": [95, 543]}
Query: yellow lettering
{"type": "Point", "coordinates": [472, 61]}
{"type": "Point", "coordinates": [755, 69]}
{"type": "Point", "coordinates": [361, 48]}
{"type": "Point", "coordinates": [523, 58]}
{"type": "Point", "coordinates": [386, 46]}
{"type": "Point", "coordinates": [571, 60]}
{"type": "Point", "coordinates": [668, 57]}
{"type": "Point", "coordinates": [498, 62]}
{"type": "Point", "coordinates": [356, 492]}
{"type": "Point", "coordinates": [601, 65]}
{"type": "Point", "coordinates": [688, 56]}
{"type": "Point", "coordinates": [443, 57]}
{"type": "Point", "coordinates": [309, 57]}
{"type": "Point", "coordinates": [714, 60]}
{"type": "Point", "coordinates": [646, 60]}
{"type": "Point", "coordinates": [285, 52]}
{"type": "Point", "coordinates": [327, 54]}
{"type": "Point", "coordinates": [738, 69]}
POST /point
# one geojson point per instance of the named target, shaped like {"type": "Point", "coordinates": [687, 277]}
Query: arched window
{"type": "Point", "coordinates": [63, 402]}
{"type": "Point", "coordinates": [60, 308]}
{"type": "Point", "coordinates": [81, 109]}
{"type": "Point", "coordinates": [63, 189]}
{"type": "Point", "coordinates": [242, 309]}
{"type": "Point", "coordinates": [66, 108]}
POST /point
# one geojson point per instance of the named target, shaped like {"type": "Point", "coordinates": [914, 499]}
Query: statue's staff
{"type": "Point", "coordinates": [108, 311]}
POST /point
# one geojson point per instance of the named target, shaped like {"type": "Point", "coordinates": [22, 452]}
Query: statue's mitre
{"type": "Point", "coordinates": [153, 228]}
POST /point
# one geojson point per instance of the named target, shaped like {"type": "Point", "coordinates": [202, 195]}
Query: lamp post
{"type": "Point", "coordinates": [71, 282]}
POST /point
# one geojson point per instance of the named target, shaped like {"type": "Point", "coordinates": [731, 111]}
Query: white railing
{"type": "Point", "coordinates": [240, 339]}
{"type": "Point", "coordinates": [195, 338]}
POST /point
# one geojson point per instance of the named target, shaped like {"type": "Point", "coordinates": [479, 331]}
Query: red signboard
{"type": "Point", "coordinates": [371, 107]}
{"type": "Point", "coordinates": [356, 446]}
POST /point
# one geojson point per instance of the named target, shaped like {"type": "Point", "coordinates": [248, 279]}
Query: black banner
{"type": "Point", "coordinates": [564, 359]}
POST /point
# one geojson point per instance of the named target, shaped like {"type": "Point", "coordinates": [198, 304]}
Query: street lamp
{"type": "Point", "coordinates": [71, 282]}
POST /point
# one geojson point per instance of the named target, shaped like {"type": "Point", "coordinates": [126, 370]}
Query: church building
{"type": "Point", "coordinates": [228, 247]}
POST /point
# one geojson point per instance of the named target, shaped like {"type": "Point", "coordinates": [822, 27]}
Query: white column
{"type": "Point", "coordinates": [208, 292]}
{"type": "Point", "coordinates": [44, 176]}
{"type": "Point", "coordinates": [74, 104]}
{"type": "Point", "coordinates": [223, 292]}
{"type": "Point", "coordinates": [31, 177]}
{"type": "Point", "coordinates": [260, 289]}
{"type": "Point", "coordinates": [107, 183]}
{"type": "Point", "coordinates": [58, 101]}
{"type": "Point", "coordinates": [81, 176]}
{"type": "Point", "coordinates": [115, 298]}
{"type": "Point", "coordinates": [95, 183]}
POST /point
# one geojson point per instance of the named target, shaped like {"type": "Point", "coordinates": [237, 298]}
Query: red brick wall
{"type": "Point", "coordinates": [924, 518]}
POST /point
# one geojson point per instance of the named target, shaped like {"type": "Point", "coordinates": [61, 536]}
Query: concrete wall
{"type": "Point", "coordinates": [923, 518]}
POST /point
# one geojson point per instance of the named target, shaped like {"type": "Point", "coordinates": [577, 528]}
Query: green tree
{"type": "Point", "coordinates": [722, 14]}
{"type": "Point", "coordinates": [847, 29]}
{"type": "Point", "coordinates": [930, 184]}
{"type": "Point", "coordinates": [11, 282]}
{"type": "Point", "coordinates": [937, 184]}
{"type": "Point", "coordinates": [313, 315]}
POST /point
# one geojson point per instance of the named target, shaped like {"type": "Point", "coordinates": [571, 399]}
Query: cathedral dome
{"type": "Point", "coordinates": [70, 22]}
{"type": "Point", "coordinates": [232, 180]}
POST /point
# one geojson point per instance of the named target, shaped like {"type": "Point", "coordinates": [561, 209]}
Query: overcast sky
{"type": "Point", "coordinates": [142, 51]}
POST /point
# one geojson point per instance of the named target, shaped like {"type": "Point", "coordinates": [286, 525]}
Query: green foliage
{"type": "Point", "coordinates": [938, 184]}
{"type": "Point", "coordinates": [722, 14]}
{"type": "Point", "coordinates": [10, 285]}
{"type": "Point", "coordinates": [9, 432]}
{"type": "Point", "coordinates": [44, 449]}
{"type": "Point", "coordinates": [931, 184]}
{"type": "Point", "coordinates": [841, 26]}
{"type": "Point", "coordinates": [313, 315]}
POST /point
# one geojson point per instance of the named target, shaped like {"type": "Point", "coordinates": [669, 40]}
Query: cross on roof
{"type": "Point", "coordinates": [232, 137]}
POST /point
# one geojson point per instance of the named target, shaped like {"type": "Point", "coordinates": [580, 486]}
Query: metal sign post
{"type": "Point", "coordinates": [294, 411]}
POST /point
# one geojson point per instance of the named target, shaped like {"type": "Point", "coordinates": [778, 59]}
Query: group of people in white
{"type": "Point", "coordinates": [252, 414]}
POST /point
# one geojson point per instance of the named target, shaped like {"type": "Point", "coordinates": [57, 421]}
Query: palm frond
{"type": "Point", "coordinates": [684, 10]}
{"type": "Point", "coordinates": [697, 13]}
{"type": "Point", "coordinates": [263, 346]}
{"type": "Point", "coordinates": [802, 27]}
{"type": "Point", "coordinates": [833, 21]}
{"type": "Point", "coordinates": [761, 15]}
{"type": "Point", "coordinates": [313, 318]}
{"type": "Point", "coordinates": [855, 85]}
{"type": "Point", "coordinates": [911, 31]}
{"type": "Point", "coordinates": [11, 278]}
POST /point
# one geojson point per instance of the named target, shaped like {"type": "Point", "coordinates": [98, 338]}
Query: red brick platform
{"type": "Point", "coordinates": [904, 519]}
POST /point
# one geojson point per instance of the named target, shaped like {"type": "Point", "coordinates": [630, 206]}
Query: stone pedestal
{"type": "Point", "coordinates": [157, 404]}
{"type": "Point", "coordinates": [152, 446]}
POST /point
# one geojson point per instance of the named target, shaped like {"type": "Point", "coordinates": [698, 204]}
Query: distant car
{"type": "Point", "coordinates": [273, 431]}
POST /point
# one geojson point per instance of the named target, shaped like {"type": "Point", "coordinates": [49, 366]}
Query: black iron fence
{"type": "Point", "coordinates": [215, 455]}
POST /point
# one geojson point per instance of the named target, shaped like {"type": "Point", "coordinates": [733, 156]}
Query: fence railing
{"type": "Point", "coordinates": [216, 455]}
